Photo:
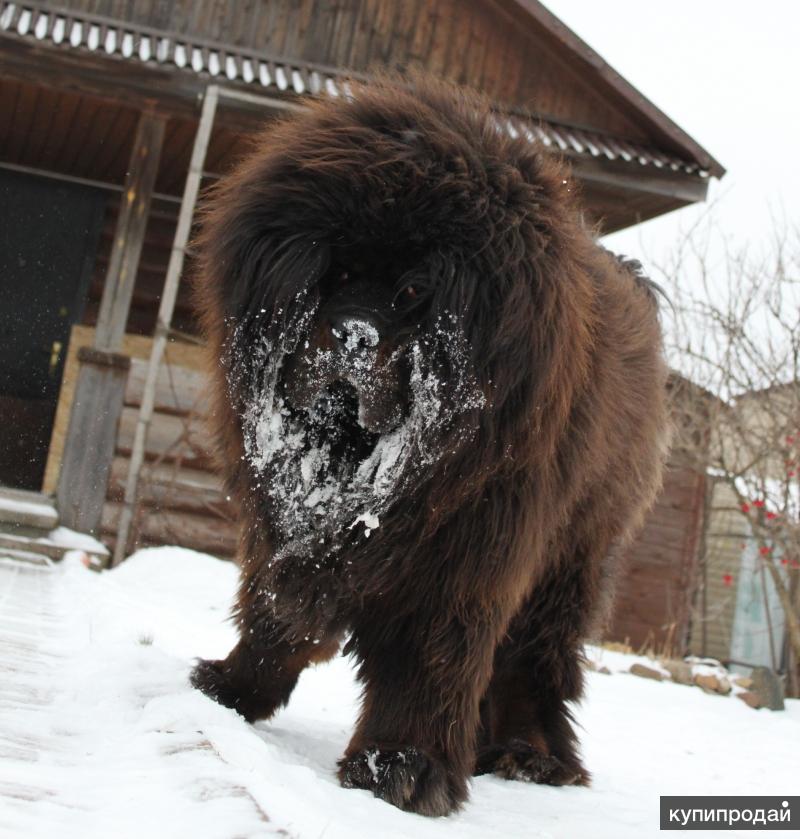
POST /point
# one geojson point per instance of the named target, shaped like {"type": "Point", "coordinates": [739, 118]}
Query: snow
{"type": "Point", "coordinates": [358, 333]}
{"type": "Point", "coordinates": [317, 495]}
{"type": "Point", "coordinates": [101, 734]}
{"type": "Point", "coordinates": [370, 522]}
{"type": "Point", "coordinates": [66, 538]}
{"type": "Point", "coordinates": [27, 508]}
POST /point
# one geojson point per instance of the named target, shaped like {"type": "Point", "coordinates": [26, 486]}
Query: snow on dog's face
{"type": "Point", "coordinates": [354, 364]}
{"type": "Point", "coordinates": [351, 387]}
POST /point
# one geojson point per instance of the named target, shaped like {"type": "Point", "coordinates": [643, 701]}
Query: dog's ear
{"type": "Point", "coordinates": [270, 277]}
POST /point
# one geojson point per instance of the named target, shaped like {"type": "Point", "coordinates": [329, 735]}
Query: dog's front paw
{"type": "Point", "coordinates": [519, 761]}
{"type": "Point", "coordinates": [406, 777]}
{"type": "Point", "coordinates": [211, 678]}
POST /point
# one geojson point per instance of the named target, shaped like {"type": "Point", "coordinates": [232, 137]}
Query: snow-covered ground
{"type": "Point", "coordinates": [101, 735]}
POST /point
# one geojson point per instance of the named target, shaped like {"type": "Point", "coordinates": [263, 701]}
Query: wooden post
{"type": "Point", "coordinates": [100, 389]}
{"type": "Point", "coordinates": [165, 311]}
{"type": "Point", "coordinates": [129, 234]}
{"type": "Point", "coordinates": [91, 438]}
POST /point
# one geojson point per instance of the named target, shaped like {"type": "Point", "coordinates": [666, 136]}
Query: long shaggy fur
{"type": "Point", "coordinates": [467, 606]}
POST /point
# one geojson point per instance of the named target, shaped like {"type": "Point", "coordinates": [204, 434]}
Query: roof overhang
{"type": "Point", "coordinates": [666, 133]}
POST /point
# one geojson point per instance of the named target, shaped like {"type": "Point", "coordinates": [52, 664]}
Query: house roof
{"type": "Point", "coordinates": [68, 30]}
{"type": "Point", "coordinates": [593, 65]}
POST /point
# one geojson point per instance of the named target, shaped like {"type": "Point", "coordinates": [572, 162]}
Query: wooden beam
{"type": "Point", "coordinates": [165, 311]}
{"type": "Point", "coordinates": [100, 390]}
{"type": "Point", "coordinates": [91, 438]}
{"type": "Point", "coordinates": [129, 234]}
{"type": "Point", "coordinates": [94, 75]}
{"type": "Point", "coordinates": [74, 179]}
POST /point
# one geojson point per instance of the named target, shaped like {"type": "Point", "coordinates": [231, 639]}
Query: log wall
{"type": "Point", "coordinates": [181, 501]}
{"type": "Point", "coordinates": [182, 498]}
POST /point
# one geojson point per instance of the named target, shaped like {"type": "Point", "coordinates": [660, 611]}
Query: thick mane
{"type": "Point", "coordinates": [493, 215]}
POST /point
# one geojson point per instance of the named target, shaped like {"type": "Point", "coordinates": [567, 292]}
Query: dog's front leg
{"type": "Point", "coordinates": [414, 744]}
{"type": "Point", "coordinates": [261, 671]}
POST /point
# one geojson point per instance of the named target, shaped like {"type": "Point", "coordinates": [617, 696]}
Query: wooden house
{"type": "Point", "coordinates": [100, 113]}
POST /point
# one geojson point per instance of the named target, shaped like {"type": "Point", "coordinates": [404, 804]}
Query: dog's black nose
{"type": "Point", "coordinates": [355, 333]}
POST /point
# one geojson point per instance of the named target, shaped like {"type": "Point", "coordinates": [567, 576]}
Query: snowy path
{"type": "Point", "coordinates": [101, 736]}
{"type": "Point", "coordinates": [69, 755]}
{"type": "Point", "coordinates": [27, 630]}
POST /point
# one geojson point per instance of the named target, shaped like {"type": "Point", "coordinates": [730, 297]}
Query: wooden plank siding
{"type": "Point", "coordinates": [713, 614]}
{"type": "Point", "coordinates": [653, 600]}
{"type": "Point", "coordinates": [83, 137]}
{"type": "Point", "coordinates": [150, 277]}
{"type": "Point", "coordinates": [74, 134]}
{"type": "Point", "coordinates": [181, 500]}
{"type": "Point", "coordinates": [474, 42]}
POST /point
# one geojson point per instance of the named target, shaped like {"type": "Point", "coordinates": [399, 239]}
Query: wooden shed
{"type": "Point", "coordinates": [101, 102]}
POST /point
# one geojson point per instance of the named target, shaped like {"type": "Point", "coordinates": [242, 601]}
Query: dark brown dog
{"type": "Point", "coordinates": [440, 406]}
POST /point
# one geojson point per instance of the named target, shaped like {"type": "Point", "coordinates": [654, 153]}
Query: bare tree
{"type": "Point", "coordinates": [735, 335]}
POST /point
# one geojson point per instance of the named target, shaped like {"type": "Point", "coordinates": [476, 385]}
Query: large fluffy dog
{"type": "Point", "coordinates": [440, 406]}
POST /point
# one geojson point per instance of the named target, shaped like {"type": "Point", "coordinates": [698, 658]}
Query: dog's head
{"type": "Point", "coordinates": [351, 388]}
{"type": "Point", "coordinates": [354, 362]}
{"type": "Point", "coordinates": [380, 264]}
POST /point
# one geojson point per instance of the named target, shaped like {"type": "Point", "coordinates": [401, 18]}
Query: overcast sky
{"type": "Point", "coordinates": [728, 73]}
